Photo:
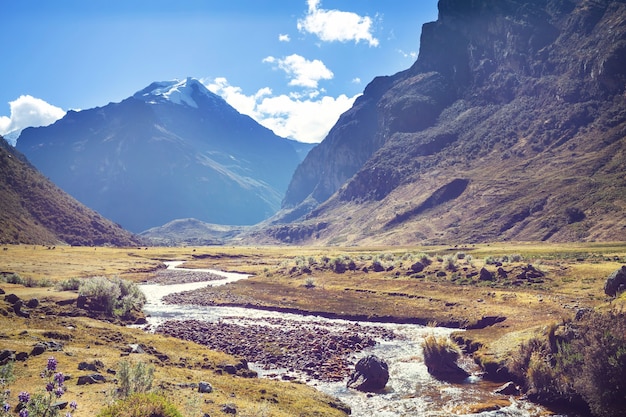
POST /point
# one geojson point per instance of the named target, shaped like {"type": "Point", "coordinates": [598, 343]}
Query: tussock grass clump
{"type": "Point", "coordinates": [141, 405]}
{"type": "Point", "coordinates": [440, 356]}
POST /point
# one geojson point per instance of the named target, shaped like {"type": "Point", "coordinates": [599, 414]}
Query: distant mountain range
{"type": "Point", "coordinates": [173, 150]}
{"type": "Point", "coordinates": [511, 125]}
{"type": "Point", "coordinates": [35, 211]}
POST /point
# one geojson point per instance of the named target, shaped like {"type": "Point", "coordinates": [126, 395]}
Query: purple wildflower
{"type": "Point", "coordinates": [59, 378]}
{"type": "Point", "coordinates": [6, 407]}
{"type": "Point", "coordinates": [24, 412]}
{"type": "Point", "coordinates": [68, 414]}
{"type": "Point", "coordinates": [52, 364]}
{"type": "Point", "coordinates": [73, 405]}
{"type": "Point", "coordinates": [59, 392]}
{"type": "Point", "coordinates": [49, 386]}
{"type": "Point", "coordinates": [24, 397]}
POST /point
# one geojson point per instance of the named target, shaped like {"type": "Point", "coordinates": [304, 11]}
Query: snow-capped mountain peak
{"type": "Point", "coordinates": [185, 92]}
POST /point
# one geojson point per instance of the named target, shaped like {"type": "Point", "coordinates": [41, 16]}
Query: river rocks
{"type": "Point", "coordinates": [616, 282]}
{"type": "Point", "coordinates": [370, 374]}
{"type": "Point", "coordinates": [316, 350]}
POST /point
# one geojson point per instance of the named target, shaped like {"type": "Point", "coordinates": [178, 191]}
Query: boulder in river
{"type": "Point", "coordinates": [440, 356]}
{"type": "Point", "coordinates": [370, 374]}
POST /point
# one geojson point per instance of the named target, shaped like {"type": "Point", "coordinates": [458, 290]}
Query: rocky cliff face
{"type": "Point", "coordinates": [511, 124]}
{"type": "Point", "coordinates": [173, 150]}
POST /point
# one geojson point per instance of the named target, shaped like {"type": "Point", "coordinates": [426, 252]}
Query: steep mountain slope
{"type": "Point", "coordinates": [35, 211]}
{"type": "Point", "coordinates": [172, 150]}
{"type": "Point", "coordinates": [511, 124]}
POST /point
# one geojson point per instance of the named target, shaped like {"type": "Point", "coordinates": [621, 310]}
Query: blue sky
{"type": "Point", "coordinates": [293, 65]}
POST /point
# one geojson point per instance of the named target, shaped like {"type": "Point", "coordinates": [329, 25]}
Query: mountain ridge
{"type": "Point", "coordinates": [35, 211]}
{"type": "Point", "coordinates": [172, 150]}
{"type": "Point", "coordinates": [521, 102]}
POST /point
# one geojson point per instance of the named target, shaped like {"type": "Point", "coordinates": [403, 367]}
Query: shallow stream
{"type": "Point", "coordinates": [411, 391]}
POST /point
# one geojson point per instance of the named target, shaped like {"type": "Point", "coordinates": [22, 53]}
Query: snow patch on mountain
{"type": "Point", "coordinates": [185, 92]}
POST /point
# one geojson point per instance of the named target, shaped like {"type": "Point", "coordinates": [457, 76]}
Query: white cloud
{"type": "Point", "coordinates": [28, 111]}
{"type": "Point", "coordinates": [356, 80]}
{"type": "Point", "coordinates": [303, 73]}
{"type": "Point", "coordinates": [412, 54]}
{"type": "Point", "coordinates": [337, 25]}
{"type": "Point", "coordinates": [304, 117]}
{"type": "Point", "coordinates": [284, 38]}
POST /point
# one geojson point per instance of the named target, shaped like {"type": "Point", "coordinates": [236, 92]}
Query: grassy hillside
{"type": "Point", "coordinates": [34, 211]}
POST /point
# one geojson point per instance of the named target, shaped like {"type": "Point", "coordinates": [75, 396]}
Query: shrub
{"type": "Point", "coordinates": [113, 296]}
{"type": "Point", "coordinates": [310, 283]}
{"type": "Point", "coordinates": [586, 360]}
{"type": "Point", "coordinates": [450, 263]}
{"type": "Point", "coordinates": [141, 405]}
{"type": "Point", "coordinates": [72, 284]}
{"type": "Point", "coordinates": [135, 379]}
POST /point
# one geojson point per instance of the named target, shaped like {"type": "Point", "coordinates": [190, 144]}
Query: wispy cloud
{"type": "Point", "coordinates": [284, 38]}
{"type": "Point", "coordinates": [27, 111]}
{"type": "Point", "coordinates": [337, 25]}
{"type": "Point", "coordinates": [303, 73]}
{"type": "Point", "coordinates": [304, 117]}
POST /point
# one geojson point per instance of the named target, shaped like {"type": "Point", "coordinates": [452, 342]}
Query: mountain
{"type": "Point", "coordinates": [172, 150]}
{"type": "Point", "coordinates": [34, 211]}
{"type": "Point", "coordinates": [191, 232]}
{"type": "Point", "coordinates": [511, 125]}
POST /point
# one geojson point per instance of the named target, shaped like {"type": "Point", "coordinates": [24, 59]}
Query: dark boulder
{"type": "Point", "coordinates": [90, 379]}
{"type": "Point", "coordinates": [11, 298]}
{"type": "Point", "coordinates": [205, 387]}
{"type": "Point", "coordinates": [616, 282]}
{"type": "Point", "coordinates": [485, 275]}
{"type": "Point", "coordinates": [370, 374]}
{"type": "Point", "coordinates": [6, 355]}
{"type": "Point", "coordinates": [417, 267]}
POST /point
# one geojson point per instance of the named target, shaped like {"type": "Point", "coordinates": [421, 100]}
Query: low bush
{"type": "Point", "coordinates": [72, 284]}
{"type": "Point", "coordinates": [141, 405]}
{"type": "Point", "coordinates": [114, 296]}
{"type": "Point", "coordinates": [584, 360]}
{"type": "Point", "coordinates": [134, 379]}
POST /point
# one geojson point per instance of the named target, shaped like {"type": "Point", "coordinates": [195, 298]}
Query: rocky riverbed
{"type": "Point", "coordinates": [316, 350]}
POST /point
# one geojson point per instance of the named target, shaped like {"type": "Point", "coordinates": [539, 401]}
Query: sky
{"type": "Point", "coordinates": [292, 65]}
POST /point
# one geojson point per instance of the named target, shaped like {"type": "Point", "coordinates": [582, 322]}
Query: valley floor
{"type": "Point", "coordinates": [502, 294]}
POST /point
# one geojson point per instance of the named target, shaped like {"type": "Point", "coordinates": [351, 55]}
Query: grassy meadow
{"type": "Point", "coordinates": [448, 287]}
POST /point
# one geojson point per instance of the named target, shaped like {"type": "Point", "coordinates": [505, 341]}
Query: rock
{"type": "Point", "coordinates": [21, 356]}
{"type": "Point", "coordinates": [615, 283]}
{"type": "Point", "coordinates": [205, 387]}
{"type": "Point", "coordinates": [6, 355]}
{"type": "Point", "coordinates": [11, 298]}
{"type": "Point", "coordinates": [135, 348]}
{"type": "Point", "coordinates": [508, 389]}
{"type": "Point", "coordinates": [32, 303]}
{"type": "Point", "coordinates": [370, 374]}
{"type": "Point", "coordinates": [90, 379]}
{"type": "Point", "coordinates": [2, 291]}
{"type": "Point", "coordinates": [94, 366]}
{"type": "Point", "coordinates": [38, 349]}
{"type": "Point", "coordinates": [417, 267]}
{"type": "Point", "coordinates": [485, 275]}
{"type": "Point", "coordinates": [229, 409]}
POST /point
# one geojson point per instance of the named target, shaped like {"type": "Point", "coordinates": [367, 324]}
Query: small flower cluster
{"type": "Point", "coordinates": [42, 405]}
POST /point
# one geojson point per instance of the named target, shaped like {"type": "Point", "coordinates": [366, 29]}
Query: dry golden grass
{"type": "Point", "coordinates": [188, 363]}
{"type": "Point", "coordinates": [575, 275]}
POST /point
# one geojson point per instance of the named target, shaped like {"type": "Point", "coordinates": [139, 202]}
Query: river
{"type": "Point", "coordinates": [411, 391]}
